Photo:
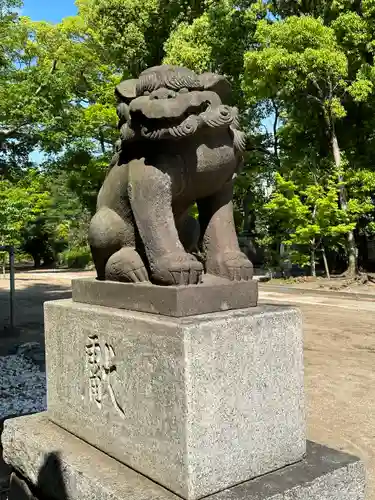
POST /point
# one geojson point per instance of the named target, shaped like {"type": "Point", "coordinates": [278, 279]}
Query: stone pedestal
{"type": "Point", "coordinates": [197, 404]}
{"type": "Point", "coordinates": [183, 396]}
{"type": "Point", "coordinates": [213, 295]}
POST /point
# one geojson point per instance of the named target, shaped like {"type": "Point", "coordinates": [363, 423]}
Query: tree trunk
{"type": "Point", "coordinates": [101, 140]}
{"type": "Point", "coordinates": [275, 137]}
{"type": "Point", "coordinates": [351, 246]}
{"type": "Point", "coordinates": [325, 263]}
{"type": "Point", "coordinates": [37, 261]}
{"type": "Point", "coordinates": [247, 217]}
{"type": "Point", "coordinates": [312, 261]}
{"type": "Point", "coordinates": [352, 255]}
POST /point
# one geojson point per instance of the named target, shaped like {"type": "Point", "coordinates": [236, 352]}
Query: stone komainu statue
{"type": "Point", "coordinates": [180, 144]}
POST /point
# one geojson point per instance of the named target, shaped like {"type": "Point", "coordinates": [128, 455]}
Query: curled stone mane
{"type": "Point", "coordinates": [172, 77]}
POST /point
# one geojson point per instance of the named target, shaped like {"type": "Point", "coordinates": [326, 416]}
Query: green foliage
{"type": "Point", "coordinates": [132, 33]}
{"type": "Point", "coordinates": [54, 92]}
{"type": "Point", "coordinates": [76, 258]}
{"type": "Point", "coordinates": [318, 70]}
{"type": "Point", "coordinates": [217, 40]}
{"type": "Point", "coordinates": [308, 217]}
{"type": "Point", "coordinates": [194, 211]}
{"type": "Point", "coordinates": [83, 175]}
{"type": "Point", "coordinates": [20, 204]}
{"type": "Point", "coordinates": [40, 241]}
{"type": "Point", "coordinates": [297, 56]}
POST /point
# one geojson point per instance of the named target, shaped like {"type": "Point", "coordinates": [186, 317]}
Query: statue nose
{"type": "Point", "coordinates": [162, 94]}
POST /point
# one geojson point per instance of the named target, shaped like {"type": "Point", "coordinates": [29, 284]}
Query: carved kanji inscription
{"type": "Point", "coordinates": [103, 377]}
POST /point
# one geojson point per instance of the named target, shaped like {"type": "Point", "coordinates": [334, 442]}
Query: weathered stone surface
{"type": "Point", "coordinates": [32, 443]}
{"type": "Point", "coordinates": [213, 295]}
{"type": "Point", "coordinates": [4, 468]}
{"type": "Point", "coordinates": [88, 474]}
{"type": "Point", "coordinates": [197, 404]}
{"type": "Point", "coordinates": [180, 145]}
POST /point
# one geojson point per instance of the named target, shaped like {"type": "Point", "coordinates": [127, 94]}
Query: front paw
{"type": "Point", "coordinates": [176, 269]}
{"type": "Point", "coordinates": [234, 266]}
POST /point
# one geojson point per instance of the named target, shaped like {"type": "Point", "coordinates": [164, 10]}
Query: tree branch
{"type": "Point", "coordinates": [309, 96]}
{"type": "Point", "coordinates": [5, 134]}
{"type": "Point", "coordinates": [16, 131]}
{"type": "Point", "coordinates": [275, 138]}
{"type": "Point", "coordinates": [51, 71]}
{"type": "Point", "coordinates": [316, 85]}
{"type": "Point", "coordinates": [266, 130]}
{"type": "Point", "coordinates": [13, 132]}
{"type": "Point", "coordinates": [101, 140]}
{"type": "Point", "coordinates": [330, 89]}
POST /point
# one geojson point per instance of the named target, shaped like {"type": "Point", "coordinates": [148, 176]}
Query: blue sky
{"type": "Point", "coordinates": [53, 10]}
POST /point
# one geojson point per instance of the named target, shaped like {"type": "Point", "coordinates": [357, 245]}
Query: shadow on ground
{"type": "Point", "coordinates": [50, 483]}
{"type": "Point", "coordinates": [29, 315]}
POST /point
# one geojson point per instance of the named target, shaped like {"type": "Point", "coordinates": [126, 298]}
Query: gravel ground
{"type": "Point", "coordinates": [22, 386]}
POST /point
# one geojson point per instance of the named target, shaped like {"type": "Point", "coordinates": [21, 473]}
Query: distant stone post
{"type": "Point", "coordinates": [12, 284]}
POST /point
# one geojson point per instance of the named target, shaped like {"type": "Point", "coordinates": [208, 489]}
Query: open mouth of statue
{"type": "Point", "coordinates": [187, 123]}
{"type": "Point", "coordinates": [153, 124]}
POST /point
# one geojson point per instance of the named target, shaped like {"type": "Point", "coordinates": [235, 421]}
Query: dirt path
{"type": "Point", "coordinates": [340, 381]}
{"type": "Point", "coordinates": [339, 344]}
{"type": "Point", "coordinates": [32, 290]}
{"type": "Point", "coordinates": [339, 358]}
{"type": "Point", "coordinates": [336, 284]}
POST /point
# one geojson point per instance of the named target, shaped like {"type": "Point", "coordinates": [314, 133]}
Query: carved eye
{"type": "Point", "coordinates": [184, 90]}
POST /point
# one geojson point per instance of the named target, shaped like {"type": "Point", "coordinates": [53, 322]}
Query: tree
{"type": "Point", "coordinates": [79, 173]}
{"type": "Point", "coordinates": [54, 92]}
{"type": "Point", "coordinates": [132, 33]}
{"type": "Point", "coordinates": [61, 226]}
{"type": "Point", "coordinates": [309, 218]}
{"type": "Point", "coordinates": [20, 204]}
{"type": "Point", "coordinates": [8, 16]}
{"type": "Point", "coordinates": [327, 10]}
{"type": "Point", "coordinates": [306, 67]}
{"type": "Point", "coordinates": [300, 64]}
{"type": "Point", "coordinates": [217, 40]}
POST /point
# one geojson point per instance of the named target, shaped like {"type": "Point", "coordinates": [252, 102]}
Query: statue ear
{"type": "Point", "coordinates": [216, 83]}
{"type": "Point", "coordinates": [126, 90]}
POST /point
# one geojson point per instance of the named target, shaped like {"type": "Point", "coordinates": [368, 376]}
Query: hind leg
{"type": "Point", "coordinates": [127, 266]}
{"type": "Point", "coordinates": [189, 232]}
{"type": "Point", "coordinates": [112, 243]}
{"type": "Point", "coordinates": [220, 243]}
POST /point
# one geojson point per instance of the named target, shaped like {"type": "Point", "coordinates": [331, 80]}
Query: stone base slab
{"type": "Point", "coordinates": [213, 295]}
{"type": "Point", "coordinates": [62, 467]}
{"type": "Point", "coordinates": [197, 404]}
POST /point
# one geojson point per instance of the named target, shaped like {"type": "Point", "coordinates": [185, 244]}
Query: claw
{"type": "Point", "coordinates": [177, 269]}
{"type": "Point", "coordinates": [234, 266]}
